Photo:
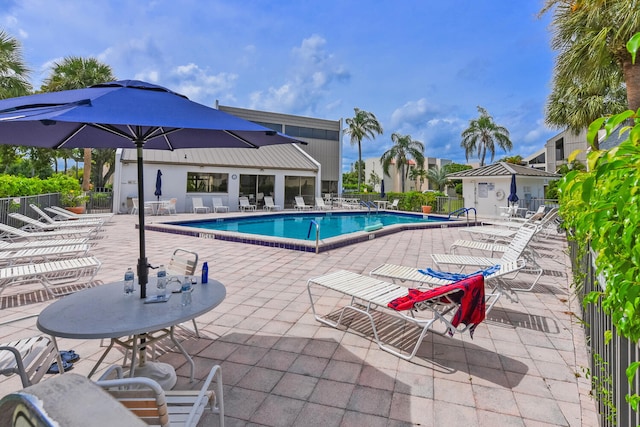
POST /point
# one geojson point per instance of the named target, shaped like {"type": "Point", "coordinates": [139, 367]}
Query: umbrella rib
{"type": "Point", "coordinates": [238, 137]}
{"type": "Point", "coordinates": [69, 137]}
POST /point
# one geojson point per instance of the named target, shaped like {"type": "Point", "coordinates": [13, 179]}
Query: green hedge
{"type": "Point", "coordinates": [413, 201]}
{"type": "Point", "coordinates": [15, 186]}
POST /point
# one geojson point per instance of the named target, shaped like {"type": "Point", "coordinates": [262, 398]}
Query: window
{"type": "Point", "coordinates": [560, 149]}
{"type": "Point", "coordinates": [275, 126]}
{"type": "Point", "coordinates": [305, 132]}
{"type": "Point", "coordinates": [304, 186]}
{"type": "Point", "coordinates": [255, 187]}
{"type": "Point", "coordinates": [198, 182]}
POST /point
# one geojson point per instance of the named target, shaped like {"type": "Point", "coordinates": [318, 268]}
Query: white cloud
{"type": "Point", "coordinates": [312, 72]}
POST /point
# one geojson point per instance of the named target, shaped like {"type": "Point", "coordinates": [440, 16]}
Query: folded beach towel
{"type": "Point", "coordinates": [458, 276]}
{"type": "Point", "coordinates": [468, 293]}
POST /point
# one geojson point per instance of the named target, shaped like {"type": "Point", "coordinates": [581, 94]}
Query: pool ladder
{"type": "Point", "coordinates": [314, 222]}
{"type": "Point", "coordinates": [369, 205]}
{"type": "Point", "coordinates": [464, 211]}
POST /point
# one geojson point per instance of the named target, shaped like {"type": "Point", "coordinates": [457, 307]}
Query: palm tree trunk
{"type": "Point", "coordinates": [359, 163]}
{"type": "Point", "coordinates": [632, 79]}
{"type": "Point", "coordinates": [86, 173]}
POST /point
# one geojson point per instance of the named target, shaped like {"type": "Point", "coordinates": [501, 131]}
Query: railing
{"type": "Point", "coordinates": [98, 202]}
{"type": "Point", "coordinates": [313, 222]}
{"type": "Point", "coordinates": [609, 358]}
{"type": "Point", "coordinates": [448, 204]}
{"type": "Point", "coordinates": [369, 205]}
{"type": "Point", "coordinates": [464, 211]}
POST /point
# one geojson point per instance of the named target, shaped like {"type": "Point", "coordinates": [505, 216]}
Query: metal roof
{"type": "Point", "coordinates": [503, 169]}
{"type": "Point", "coordinates": [283, 156]}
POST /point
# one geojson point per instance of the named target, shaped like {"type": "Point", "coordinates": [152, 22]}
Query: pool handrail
{"type": "Point", "coordinates": [465, 211]}
{"type": "Point", "coordinates": [311, 224]}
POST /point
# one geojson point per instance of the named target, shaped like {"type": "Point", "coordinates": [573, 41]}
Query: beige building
{"type": "Point", "coordinates": [280, 171]}
{"type": "Point", "coordinates": [393, 181]}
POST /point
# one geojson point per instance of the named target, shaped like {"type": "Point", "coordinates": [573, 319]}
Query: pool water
{"type": "Point", "coordinates": [301, 226]}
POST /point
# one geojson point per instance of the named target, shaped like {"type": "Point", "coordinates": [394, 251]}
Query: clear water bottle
{"type": "Point", "coordinates": [128, 282]}
{"type": "Point", "coordinates": [162, 280]}
{"type": "Point", "coordinates": [186, 293]}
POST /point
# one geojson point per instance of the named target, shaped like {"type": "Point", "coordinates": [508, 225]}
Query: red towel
{"type": "Point", "coordinates": [469, 293]}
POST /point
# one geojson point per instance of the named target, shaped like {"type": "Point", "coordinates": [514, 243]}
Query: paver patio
{"type": "Point", "coordinates": [524, 367]}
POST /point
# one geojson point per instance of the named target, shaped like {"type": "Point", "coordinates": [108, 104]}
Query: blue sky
{"type": "Point", "coordinates": [422, 67]}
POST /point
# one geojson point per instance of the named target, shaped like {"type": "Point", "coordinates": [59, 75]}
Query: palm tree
{"type": "Point", "coordinates": [593, 66]}
{"type": "Point", "coordinates": [401, 152]}
{"type": "Point", "coordinates": [75, 72]}
{"type": "Point", "coordinates": [418, 175]}
{"type": "Point", "coordinates": [363, 125]}
{"type": "Point", "coordinates": [438, 177]}
{"type": "Point", "coordinates": [14, 74]}
{"type": "Point", "coordinates": [482, 135]}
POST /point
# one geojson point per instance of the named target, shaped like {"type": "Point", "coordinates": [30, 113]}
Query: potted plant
{"type": "Point", "coordinates": [74, 201]}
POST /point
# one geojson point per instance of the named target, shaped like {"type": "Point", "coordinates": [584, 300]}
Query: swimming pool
{"type": "Point", "coordinates": [297, 231]}
{"type": "Point", "coordinates": [301, 227]}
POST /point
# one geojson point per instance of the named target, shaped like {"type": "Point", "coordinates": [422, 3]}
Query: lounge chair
{"type": "Point", "coordinates": [321, 205]}
{"type": "Point", "coordinates": [269, 205]}
{"type": "Point", "coordinates": [513, 252]}
{"type": "Point", "coordinates": [35, 225]}
{"type": "Point", "coordinates": [145, 398]}
{"type": "Point", "coordinates": [394, 205]}
{"type": "Point", "coordinates": [97, 222]}
{"type": "Point", "coordinates": [198, 206]}
{"type": "Point", "coordinates": [218, 206]}
{"type": "Point", "coordinates": [495, 280]}
{"type": "Point", "coordinates": [61, 212]}
{"type": "Point", "coordinates": [29, 357]}
{"type": "Point", "coordinates": [16, 246]}
{"type": "Point", "coordinates": [51, 273]}
{"type": "Point", "coordinates": [506, 230]}
{"type": "Point", "coordinates": [369, 295]}
{"type": "Point", "coordinates": [245, 205]}
{"type": "Point", "coordinates": [300, 204]}
{"type": "Point", "coordinates": [15, 234]}
{"type": "Point", "coordinates": [51, 253]}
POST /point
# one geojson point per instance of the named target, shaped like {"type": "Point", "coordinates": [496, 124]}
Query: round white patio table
{"type": "Point", "coordinates": [105, 312]}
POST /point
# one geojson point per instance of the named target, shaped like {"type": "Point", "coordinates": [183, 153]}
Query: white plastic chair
{"type": "Point", "coordinates": [394, 205]}
{"type": "Point", "coordinates": [269, 205]}
{"type": "Point", "coordinates": [198, 206]}
{"type": "Point", "coordinates": [245, 205]}
{"type": "Point", "coordinates": [218, 206]}
{"type": "Point", "coordinates": [300, 204]}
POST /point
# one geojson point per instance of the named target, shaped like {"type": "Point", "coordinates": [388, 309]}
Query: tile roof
{"type": "Point", "coordinates": [503, 169]}
{"type": "Point", "coordinates": [283, 156]}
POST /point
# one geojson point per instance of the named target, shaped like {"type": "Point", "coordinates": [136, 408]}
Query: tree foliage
{"type": "Point", "coordinates": [404, 149]}
{"type": "Point", "coordinates": [363, 125]}
{"type": "Point", "coordinates": [14, 73]}
{"type": "Point", "coordinates": [593, 69]}
{"type": "Point", "coordinates": [484, 135]}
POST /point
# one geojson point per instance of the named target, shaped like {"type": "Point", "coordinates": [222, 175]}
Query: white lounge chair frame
{"type": "Point", "coordinates": [72, 215]}
{"type": "Point", "coordinates": [494, 281]}
{"type": "Point", "coordinates": [16, 234]}
{"type": "Point", "coordinates": [513, 252]}
{"type": "Point", "coordinates": [198, 206]}
{"type": "Point", "coordinates": [136, 206]}
{"type": "Point", "coordinates": [394, 205]}
{"type": "Point", "coordinates": [50, 253]}
{"type": "Point", "coordinates": [368, 294]}
{"type": "Point", "coordinates": [16, 246]}
{"type": "Point", "coordinates": [300, 204]}
{"type": "Point", "coordinates": [97, 222]}
{"type": "Point", "coordinates": [50, 274]}
{"type": "Point", "coordinates": [145, 398]}
{"type": "Point", "coordinates": [29, 357]}
{"type": "Point", "coordinates": [269, 205]}
{"type": "Point", "coordinates": [218, 206]}
{"type": "Point", "coordinates": [320, 204]}
{"type": "Point", "coordinates": [35, 225]}
{"type": "Point", "coordinates": [245, 205]}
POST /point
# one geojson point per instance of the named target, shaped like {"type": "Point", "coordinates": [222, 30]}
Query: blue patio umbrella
{"type": "Point", "coordinates": [158, 191]}
{"type": "Point", "coordinates": [126, 114]}
{"type": "Point", "coordinates": [513, 197]}
{"type": "Point", "coordinates": [382, 195]}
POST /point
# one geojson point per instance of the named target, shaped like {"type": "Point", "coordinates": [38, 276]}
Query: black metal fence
{"type": "Point", "coordinates": [609, 358]}
{"type": "Point", "coordinates": [99, 201]}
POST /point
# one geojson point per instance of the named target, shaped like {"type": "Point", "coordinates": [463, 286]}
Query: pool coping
{"type": "Point", "coordinates": [321, 245]}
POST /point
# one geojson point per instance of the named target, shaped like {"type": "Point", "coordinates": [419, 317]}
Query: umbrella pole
{"type": "Point", "coordinates": [143, 265]}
